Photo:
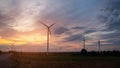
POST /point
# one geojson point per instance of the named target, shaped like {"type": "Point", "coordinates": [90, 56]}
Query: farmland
{"type": "Point", "coordinates": [38, 60]}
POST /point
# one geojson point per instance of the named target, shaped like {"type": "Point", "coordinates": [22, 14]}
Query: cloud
{"type": "Point", "coordinates": [8, 14]}
{"type": "Point", "coordinates": [111, 35]}
{"type": "Point", "coordinates": [111, 15]}
{"type": "Point", "coordinates": [90, 31]}
{"type": "Point", "coordinates": [5, 28]}
{"type": "Point", "coordinates": [74, 38]}
{"type": "Point", "coordinates": [78, 27]}
{"type": "Point", "coordinates": [111, 18]}
{"type": "Point", "coordinates": [61, 30]}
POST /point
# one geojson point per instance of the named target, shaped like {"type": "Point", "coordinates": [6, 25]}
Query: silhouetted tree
{"type": "Point", "coordinates": [83, 52]}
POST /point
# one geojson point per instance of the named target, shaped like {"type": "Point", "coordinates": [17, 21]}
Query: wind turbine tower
{"type": "Point", "coordinates": [99, 44]}
{"type": "Point", "coordinates": [48, 35]}
{"type": "Point", "coordinates": [84, 42]}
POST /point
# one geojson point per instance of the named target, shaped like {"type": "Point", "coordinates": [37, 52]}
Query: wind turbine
{"type": "Point", "coordinates": [84, 42]}
{"type": "Point", "coordinates": [12, 46]}
{"type": "Point", "coordinates": [48, 34]}
{"type": "Point", "coordinates": [99, 44]}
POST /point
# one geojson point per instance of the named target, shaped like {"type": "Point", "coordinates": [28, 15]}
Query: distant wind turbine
{"type": "Point", "coordinates": [12, 46]}
{"type": "Point", "coordinates": [99, 45]}
{"type": "Point", "coordinates": [48, 34]}
{"type": "Point", "coordinates": [84, 42]}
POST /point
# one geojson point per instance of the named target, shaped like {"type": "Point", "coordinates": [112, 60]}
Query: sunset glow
{"type": "Point", "coordinates": [35, 39]}
{"type": "Point", "coordinates": [20, 22]}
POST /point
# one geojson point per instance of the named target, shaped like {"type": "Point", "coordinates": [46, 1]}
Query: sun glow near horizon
{"type": "Point", "coordinates": [25, 39]}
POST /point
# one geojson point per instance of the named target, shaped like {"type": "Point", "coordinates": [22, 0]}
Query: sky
{"type": "Point", "coordinates": [20, 24]}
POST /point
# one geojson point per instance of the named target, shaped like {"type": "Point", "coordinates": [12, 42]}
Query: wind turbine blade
{"type": "Point", "coordinates": [52, 25]}
{"type": "Point", "coordinates": [44, 24]}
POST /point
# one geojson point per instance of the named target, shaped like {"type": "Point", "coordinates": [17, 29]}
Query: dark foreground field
{"type": "Point", "coordinates": [36, 60]}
